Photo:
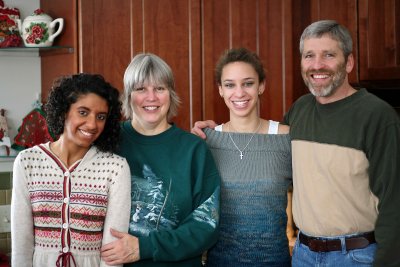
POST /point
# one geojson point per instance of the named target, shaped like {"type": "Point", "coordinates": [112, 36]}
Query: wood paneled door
{"type": "Point", "coordinates": [189, 35]}
{"type": "Point", "coordinates": [57, 64]}
{"type": "Point", "coordinates": [112, 32]}
{"type": "Point", "coordinates": [344, 12]}
{"type": "Point", "coordinates": [379, 40]}
{"type": "Point", "coordinates": [261, 26]}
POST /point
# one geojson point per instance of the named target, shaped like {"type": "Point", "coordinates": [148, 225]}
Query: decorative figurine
{"type": "Point", "coordinates": [9, 34]}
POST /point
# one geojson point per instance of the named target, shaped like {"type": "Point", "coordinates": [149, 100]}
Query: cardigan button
{"type": "Point", "coordinates": [65, 225]}
{"type": "Point", "coordinates": [66, 173]}
{"type": "Point", "coordinates": [66, 200]}
{"type": "Point", "coordinates": [66, 249]}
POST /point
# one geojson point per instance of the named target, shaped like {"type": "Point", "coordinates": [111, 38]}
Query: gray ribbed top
{"type": "Point", "coordinates": [253, 199]}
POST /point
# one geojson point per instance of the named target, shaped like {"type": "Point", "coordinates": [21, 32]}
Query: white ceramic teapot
{"type": "Point", "coordinates": [37, 30]}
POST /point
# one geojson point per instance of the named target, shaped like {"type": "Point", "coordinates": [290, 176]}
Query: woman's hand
{"type": "Point", "coordinates": [123, 250]}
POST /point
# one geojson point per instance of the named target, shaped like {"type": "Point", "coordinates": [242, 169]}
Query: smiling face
{"type": "Point", "coordinates": [85, 120]}
{"type": "Point", "coordinates": [323, 66]}
{"type": "Point", "coordinates": [150, 104]}
{"type": "Point", "coordinates": [240, 88]}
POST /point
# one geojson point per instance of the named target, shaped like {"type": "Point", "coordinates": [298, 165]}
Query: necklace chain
{"type": "Point", "coordinates": [251, 138]}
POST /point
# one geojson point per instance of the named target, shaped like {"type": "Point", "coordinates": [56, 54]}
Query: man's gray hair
{"type": "Point", "coordinates": [334, 30]}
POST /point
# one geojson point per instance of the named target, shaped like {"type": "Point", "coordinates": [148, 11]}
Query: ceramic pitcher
{"type": "Point", "coordinates": [38, 30]}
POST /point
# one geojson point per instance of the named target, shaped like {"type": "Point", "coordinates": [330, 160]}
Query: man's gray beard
{"type": "Point", "coordinates": [324, 92]}
{"type": "Point", "coordinates": [331, 89]}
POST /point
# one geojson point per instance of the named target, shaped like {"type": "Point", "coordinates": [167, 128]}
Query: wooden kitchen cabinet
{"type": "Point", "coordinates": [344, 12]}
{"type": "Point", "coordinates": [190, 35]}
{"type": "Point", "coordinates": [261, 26]}
{"type": "Point", "coordinates": [54, 65]}
{"type": "Point", "coordinates": [379, 39]}
{"type": "Point", "coordinates": [112, 32]}
{"type": "Point", "coordinates": [375, 29]}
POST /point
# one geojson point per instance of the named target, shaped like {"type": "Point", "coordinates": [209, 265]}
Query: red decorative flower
{"type": "Point", "coordinates": [37, 31]}
{"type": "Point", "coordinates": [38, 11]}
{"type": "Point", "coordinates": [7, 19]}
{"type": "Point", "coordinates": [30, 39]}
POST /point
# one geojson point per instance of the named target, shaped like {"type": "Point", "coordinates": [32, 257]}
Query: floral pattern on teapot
{"type": "Point", "coordinates": [37, 33]}
{"type": "Point", "coordinates": [38, 29]}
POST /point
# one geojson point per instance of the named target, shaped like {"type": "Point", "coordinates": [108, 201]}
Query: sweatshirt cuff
{"type": "Point", "coordinates": [145, 247]}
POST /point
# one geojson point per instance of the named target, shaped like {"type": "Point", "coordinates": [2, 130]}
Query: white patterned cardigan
{"type": "Point", "coordinates": [61, 216]}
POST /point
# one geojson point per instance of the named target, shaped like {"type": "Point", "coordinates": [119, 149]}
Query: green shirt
{"type": "Point", "coordinates": [346, 171]}
{"type": "Point", "coordinates": [175, 196]}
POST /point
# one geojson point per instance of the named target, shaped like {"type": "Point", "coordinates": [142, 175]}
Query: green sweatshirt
{"type": "Point", "coordinates": [346, 169]}
{"type": "Point", "coordinates": [175, 196]}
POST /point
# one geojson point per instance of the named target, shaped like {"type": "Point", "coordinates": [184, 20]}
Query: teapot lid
{"type": "Point", "coordinates": [39, 13]}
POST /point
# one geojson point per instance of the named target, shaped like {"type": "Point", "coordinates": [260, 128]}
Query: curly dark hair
{"type": "Point", "coordinates": [66, 91]}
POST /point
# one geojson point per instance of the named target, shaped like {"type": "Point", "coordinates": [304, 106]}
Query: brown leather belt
{"type": "Point", "coordinates": [325, 245]}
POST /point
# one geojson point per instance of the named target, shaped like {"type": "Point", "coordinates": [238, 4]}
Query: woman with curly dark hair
{"type": "Point", "coordinates": [67, 194]}
{"type": "Point", "coordinates": [66, 91]}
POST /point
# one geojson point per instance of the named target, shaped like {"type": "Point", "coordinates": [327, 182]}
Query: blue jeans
{"type": "Point", "coordinates": [303, 256]}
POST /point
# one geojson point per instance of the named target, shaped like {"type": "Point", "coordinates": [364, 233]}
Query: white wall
{"type": "Point", "coordinates": [20, 81]}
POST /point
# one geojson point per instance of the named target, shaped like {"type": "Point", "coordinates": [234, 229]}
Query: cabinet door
{"type": "Point", "coordinates": [56, 64]}
{"type": "Point", "coordinates": [261, 26]}
{"type": "Point", "coordinates": [379, 23]}
{"type": "Point", "coordinates": [345, 13]}
{"type": "Point", "coordinates": [105, 38]}
{"type": "Point", "coordinates": [171, 30]}
{"type": "Point", "coordinates": [191, 35]}
{"type": "Point", "coordinates": [113, 31]}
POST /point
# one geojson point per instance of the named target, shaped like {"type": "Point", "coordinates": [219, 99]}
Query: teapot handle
{"type": "Point", "coordinates": [60, 27]}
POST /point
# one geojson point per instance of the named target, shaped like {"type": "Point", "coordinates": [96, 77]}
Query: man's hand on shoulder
{"type": "Point", "coordinates": [283, 129]}
{"type": "Point", "coordinates": [200, 125]}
